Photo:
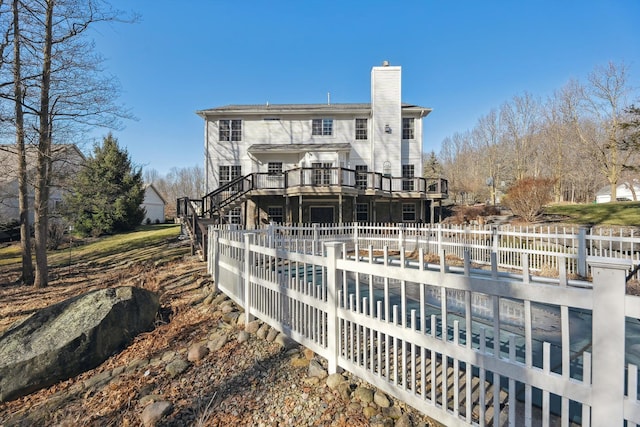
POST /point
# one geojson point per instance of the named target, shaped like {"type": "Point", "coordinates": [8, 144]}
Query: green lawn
{"type": "Point", "coordinates": [618, 213]}
{"type": "Point", "coordinates": [123, 246]}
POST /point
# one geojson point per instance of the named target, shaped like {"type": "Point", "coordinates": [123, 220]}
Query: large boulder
{"type": "Point", "coordinates": [71, 337]}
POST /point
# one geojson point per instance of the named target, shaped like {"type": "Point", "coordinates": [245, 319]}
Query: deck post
{"type": "Point", "coordinates": [333, 329]}
{"type": "Point", "coordinates": [608, 369]}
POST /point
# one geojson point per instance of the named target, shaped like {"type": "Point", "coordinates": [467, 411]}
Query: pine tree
{"type": "Point", "coordinates": [107, 195]}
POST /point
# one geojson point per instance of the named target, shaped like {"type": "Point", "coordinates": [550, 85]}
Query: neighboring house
{"type": "Point", "coordinates": [329, 163]}
{"type": "Point", "coordinates": [154, 205]}
{"type": "Point", "coordinates": [66, 159]}
{"type": "Point", "coordinates": [624, 192]}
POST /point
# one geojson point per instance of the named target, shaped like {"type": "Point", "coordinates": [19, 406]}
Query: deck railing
{"type": "Point", "coordinates": [465, 346]}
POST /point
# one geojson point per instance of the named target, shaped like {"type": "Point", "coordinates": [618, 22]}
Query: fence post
{"type": "Point", "coordinates": [214, 269]}
{"type": "Point", "coordinates": [608, 377]}
{"type": "Point", "coordinates": [582, 251]}
{"type": "Point", "coordinates": [248, 263]}
{"type": "Point", "coordinates": [333, 330]}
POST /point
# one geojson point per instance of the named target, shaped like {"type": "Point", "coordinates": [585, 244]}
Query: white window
{"type": "Point", "coordinates": [230, 130]}
{"type": "Point", "coordinates": [322, 127]}
{"type": "Point", "coordinates": [408, 128]}
{"type": "Point", "coordinates": [274, 168]}
{"type": "Point", "coordinates": [362, 212]}
{"type": "Point", "coordinates": [235, 216]}
{"type": "Point", "coordinates": [229, 173]}
{"type": "Point", "coordinates": [276, 214]}
{"type": "Point", "coordinates": [408, 212]}
{"type": "Point", "coordinates": [321, 173]}
{"type": "Point", "coordinates": [361, 128]}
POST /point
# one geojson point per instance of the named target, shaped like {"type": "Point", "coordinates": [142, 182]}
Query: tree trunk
{"type": "Point", "coordinates": [23, 200]}
{"type": "Point", "coordinates": [44, 154]}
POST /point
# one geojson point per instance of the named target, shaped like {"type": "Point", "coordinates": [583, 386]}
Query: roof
{"type": "Point", "coordinates": [151, 186]}
{"type": "Point", "coordinates": [60, 153]}
{"type": "Point", "coordinates": [274, 109]}
{"type": "Point", "coordinates": [296, 148]}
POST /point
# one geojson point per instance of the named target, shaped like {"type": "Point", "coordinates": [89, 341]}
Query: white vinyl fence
{"type": "Point", "coordinates": [544, 245]}
{"type": "Point", "coordinates": [463, 345]}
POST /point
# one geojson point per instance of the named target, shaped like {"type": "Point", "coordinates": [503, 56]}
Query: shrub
{"type": "Point", "coordinates": [526, 197]}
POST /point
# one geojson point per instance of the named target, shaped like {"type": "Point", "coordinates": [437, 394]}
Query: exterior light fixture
{"type": "Point", "coordinates": [387, 129]}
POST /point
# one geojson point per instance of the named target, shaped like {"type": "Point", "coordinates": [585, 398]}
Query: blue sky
{"type": "Point", "coordinates": [460, 58]}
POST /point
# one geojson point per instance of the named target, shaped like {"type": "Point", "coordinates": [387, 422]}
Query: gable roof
{"type": "Point", "coordinates": [151, 186]}
{"type": "Point", "coordinates": [60, 153]}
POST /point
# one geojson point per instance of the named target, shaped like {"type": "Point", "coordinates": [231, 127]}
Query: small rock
{"type": "Point", "coordinates": [334, 380]}
{"type": "Point", "coordinates": [252, 327]}
{"type": "Point", "coordinates": [263, 331]}
{"type": "Point", "coordinates": [241, 320]}
{"type": "Point", "coordinates": [308, 353]}
{"type": "Point", "coordinates": [355, 406]}
{"type": "Point", "coordinates": [381, 399]}
{"type": "Point", "coordinates": [363, 394]}
{"type": "Point", "coordinates": [300, 362]}
{"type": "Point", "coordinates": [271, 336]}
{"type": "Point", "coordinates": [219, 299]}
{"type": "Point", "coordinates": [154, 413]}
{"type": "Point", "coordinates": [197, 352]}
{"type": "Point", "coordinates": [392, 412]}
{"type": "Point", "coordinates": [404, 421]}
{"type": "Point", "coordinates": [316, 370]}
{"type": "Point", "coordinates": [137, 363]}
{"type": "Point", "coordinates": [369, 412]}
{"type": "Point", "coordinates": [243, 336]}
{"type": "Point", "coordinates": [168, 355]}
{"type": "Point", "coordinates": [176, 367]}
{"type": "Point", "coordinates": [344, 390]}
{"type": "Point", "coordinates": [217, 342]}
{"type": "Point", "coordinates": [208, 300]}
{"type": "Point", "coordinates": [231, 318]}
{"type": "Point", "coordinates": [227, 308]}
{"type": "Point", "coordinates": [285, 342]}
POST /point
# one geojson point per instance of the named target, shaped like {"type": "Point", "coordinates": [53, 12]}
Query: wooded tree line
{"type": "Point", "coordinates": [583, 136]}
{"type": "Point", "coordinates": [52, 91]}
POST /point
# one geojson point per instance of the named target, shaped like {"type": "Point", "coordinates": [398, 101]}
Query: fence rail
{"type": "Point", "coordinates": [547, 247]}
{"type": "Point", "coordinates": [466, 346]}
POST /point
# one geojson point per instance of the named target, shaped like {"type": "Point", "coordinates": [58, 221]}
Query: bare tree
{"type": "Point", "coordinates": [61, 92]}
{"type": "Point", "coordinates": [520, 118]}
{"type": "Point", "coordinates": [597, 120]}
{"type": "Point", "coordinates": [23, 200]}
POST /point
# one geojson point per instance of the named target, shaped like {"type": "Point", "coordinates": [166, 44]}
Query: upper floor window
{"type": "Point", "coordinates": [274, 168]}
{"type": "Point", "coordinates": [230, 130]}
{"type": "Point", "coordinates": [361, 128]}
{"type": "Point", "coordinates": [408, 128]}
{"type": "Point", "coordinates": [322, 127]}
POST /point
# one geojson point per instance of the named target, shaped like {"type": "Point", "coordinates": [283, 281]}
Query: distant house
{"type": "Point", "coordinates": [66, 160]}
{"type": "Point", "coordinates": [154, 205]}
{"type": "Point", "coordinates": [624, 192]}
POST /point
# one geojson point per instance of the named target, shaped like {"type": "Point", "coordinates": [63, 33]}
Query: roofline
{"type": "Point", "coordinates": [303, 109]}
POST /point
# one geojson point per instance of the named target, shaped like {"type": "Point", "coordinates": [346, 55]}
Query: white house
{"type": "Point", "coordinates": [66, 160]}
{"type": "Point", "coordinates": [154, 205]}
{"type": "Point", "coordinates": [624, 192]}
{"type": "Point", "coordinates": [301, 163]}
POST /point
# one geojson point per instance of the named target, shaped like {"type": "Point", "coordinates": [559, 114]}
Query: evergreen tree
{"type": "Point", "coordinates": [107, 195]}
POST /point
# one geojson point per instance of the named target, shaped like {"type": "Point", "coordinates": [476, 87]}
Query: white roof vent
{"type": "Point", "coordinates": [385, 63]}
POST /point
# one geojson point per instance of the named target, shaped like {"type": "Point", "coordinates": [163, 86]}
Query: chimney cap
{"type": "Point", "coordinates": [385, 63]}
